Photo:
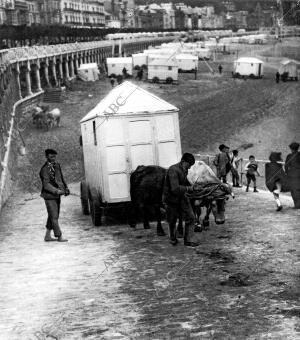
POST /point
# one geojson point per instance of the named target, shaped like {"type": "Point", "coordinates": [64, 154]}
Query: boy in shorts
{"type": "Point", "coordinates": [251, 169]}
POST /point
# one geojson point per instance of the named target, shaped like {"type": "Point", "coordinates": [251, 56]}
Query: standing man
{"type": "Point", "coordinates": [54, 186]}
{"type": "Point", "coordinates": [220, 69]}
{"type": "Point", "coordinates": [176, 186]}
{"type": "Point", "coordinates": [277, 77]}
{"type": "Point", "coordinates": [292, 169]}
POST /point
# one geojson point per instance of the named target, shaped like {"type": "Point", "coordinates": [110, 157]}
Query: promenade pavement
{"type": "Point", "coordinates": [113, 282]}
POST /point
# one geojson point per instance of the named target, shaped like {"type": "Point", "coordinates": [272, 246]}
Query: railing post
{"type": "Point", "coordinates": [28, 79]}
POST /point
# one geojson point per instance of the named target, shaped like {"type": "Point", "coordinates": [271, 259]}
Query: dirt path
{"type": "Point", "coordinates": [107, 283]}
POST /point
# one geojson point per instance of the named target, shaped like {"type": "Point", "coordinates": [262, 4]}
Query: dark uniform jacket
{"type": "Point", "coordinates": [176, 185]}
{"type": "Point", "coordinates": [274, 173]}
{"type": "Point", "coordinates": [52, 182]}
{"type": "Point", "coordinates": [292, 165]}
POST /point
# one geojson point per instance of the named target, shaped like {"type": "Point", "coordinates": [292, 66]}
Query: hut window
{"type": "Point", "coordinates": [169, 68]}
{"type": "Point", "coordinates": [94, 132]}
{"type": "Point", "coordinates": [251, 64]}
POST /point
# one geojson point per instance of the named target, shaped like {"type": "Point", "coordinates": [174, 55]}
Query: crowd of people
{"type": "Point", "coordinates": [278, 178]}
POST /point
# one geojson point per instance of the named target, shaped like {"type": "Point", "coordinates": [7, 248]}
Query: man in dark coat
{"type": "Point", "coordinates": [292, 169]}
{"type": "Point", "coordinates": [54, 186]}
{"type": "Point", "coordinates": [175, 188]}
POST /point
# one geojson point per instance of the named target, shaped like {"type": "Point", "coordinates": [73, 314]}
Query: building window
{"type": "Point", "coordinates": [94, 133]}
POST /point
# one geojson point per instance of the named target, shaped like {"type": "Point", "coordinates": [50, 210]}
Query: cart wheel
{"type": "Point", "coordinates": [169, 80]}
{"type": "Point", "coordinates": [252, 76]}
{"type": "Point", "coordinates": [95, 208]}
{"type": "Point", "coordinates": [155, 80]}
{"type": "Point", "coordinates": [84, 196]}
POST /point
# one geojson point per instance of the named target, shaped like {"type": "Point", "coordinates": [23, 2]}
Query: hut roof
{"type": "Point", "coordinates": [129, 99]}
{"type": "Point", "coordinates": [249, 60]}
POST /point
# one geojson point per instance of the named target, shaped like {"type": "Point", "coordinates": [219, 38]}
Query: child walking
{"type": "Point", "coordinates": [251, 169]}
{"type": "Point", "coordinates": [235, 162]}
{"type": "Point", "coordinates": [276, 179]}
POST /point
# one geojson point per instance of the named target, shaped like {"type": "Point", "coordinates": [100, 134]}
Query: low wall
{"type": "Point", "coordinates": [8, 173]}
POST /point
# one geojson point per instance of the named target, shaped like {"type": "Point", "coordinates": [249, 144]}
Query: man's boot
{"type": "Point", "coordinates": [48, 237]}
{"type": "Point", "coordinates": [189, 236]}
{"type": "Point", "coordinates": [247, 189]}
{"type": "Point", "coordinates": [255, 190]}
{"type": "Point", "coordinates": [172, 232]}
{"type": "Point", "coordinates": [61, 239]}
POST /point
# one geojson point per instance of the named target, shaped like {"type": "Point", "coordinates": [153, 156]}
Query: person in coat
{"type": "Point", "coordinates": [292, 169]}
{"type": "Point", "coordinates": [277, 77]}
{"type": "Point", "coordinates": [53, 187]}
{"type": "Point", "coordinates": [175, 188]}
{"type": "Point", "coordinates": [222, 163]}
{"type": "Point", "coordinates": [276, 179]}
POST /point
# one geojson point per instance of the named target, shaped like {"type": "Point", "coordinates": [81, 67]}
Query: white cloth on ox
{"type": "Point", "coordinates": [209, 186]}
{"type": "Point", "coordinates": [201, 173]}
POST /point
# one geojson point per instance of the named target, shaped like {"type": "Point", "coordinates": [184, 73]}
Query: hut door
{"type": "Point", "coordinates": [117, 185]}
{"type": "Point", "coordinates": [259, 70]}
{"type": "Point", "coordinates": [141, 146]}
{"type": "Point", "coordinates": [167, 140]}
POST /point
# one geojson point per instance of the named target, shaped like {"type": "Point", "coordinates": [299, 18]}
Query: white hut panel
{"type": "Point", "coordinates": [139, 59]}
{"type": "Point", "coordinates": [187, 62]}
{"type": "Point", "coordinates": [248, 67]}
{"type": "Point", "coordinates": [290, 67]}
{"type": "Point", "coordinates": [115, 65]}
{"type": "Point", "coordinates": [167, 128]}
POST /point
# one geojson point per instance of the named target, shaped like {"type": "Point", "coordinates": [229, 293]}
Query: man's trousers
{"type": "Point", "coordinates": [185, 210]}
{"type": "Point", "coordinates": [53, 208]}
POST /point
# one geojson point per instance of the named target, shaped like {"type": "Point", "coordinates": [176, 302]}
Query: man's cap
{"type": "Point", "coordinates": [189, 158]}
{"type": "Point", "coordinates": [222, 146]}
{"type": "Point", "coordinates": [50, 152]}
{"type": "Point", "coordinates": [294, 146]}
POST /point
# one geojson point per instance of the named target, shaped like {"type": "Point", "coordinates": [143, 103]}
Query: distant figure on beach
{"type": "Point", "coordinates": [220, 69]}
{"type": "Point", "coordinates": [124, 71]}
{"type": "Point", "coordinates": [119, 79]}
{"type": "Point", "coordinates": [277, 77]}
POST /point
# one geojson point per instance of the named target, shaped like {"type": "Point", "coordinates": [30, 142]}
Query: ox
{"type": "Point", "coordinates": [39, 115]}
{"type": "Point", "coordinates": [53, 118]}
{"type": "Point", "coordinates": [146, 189]}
